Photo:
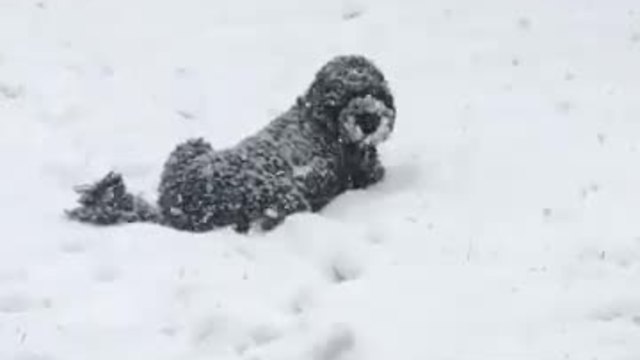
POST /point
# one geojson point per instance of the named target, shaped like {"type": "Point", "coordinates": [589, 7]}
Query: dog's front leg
{"type": "Point", "coordinates": [368, 170]}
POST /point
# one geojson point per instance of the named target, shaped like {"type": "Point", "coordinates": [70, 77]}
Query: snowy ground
{"type": "Point", "coordinates": [507, 227]}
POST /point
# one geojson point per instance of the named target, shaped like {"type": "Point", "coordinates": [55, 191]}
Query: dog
{"type": "Point", "coordinates": [324, 145]}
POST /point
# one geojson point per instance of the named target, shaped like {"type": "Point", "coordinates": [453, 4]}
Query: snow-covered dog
{"type": "Point", "coordinates": [322, 146]}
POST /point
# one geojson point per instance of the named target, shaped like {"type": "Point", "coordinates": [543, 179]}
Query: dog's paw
{"type": "Point", "coordinates": [368, 173]}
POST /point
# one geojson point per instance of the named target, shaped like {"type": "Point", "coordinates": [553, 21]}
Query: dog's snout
{"type": "Point", "coordinates": [368, 123]}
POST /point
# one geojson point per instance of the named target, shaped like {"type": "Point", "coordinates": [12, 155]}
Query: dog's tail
{"type": "Point", "coordinates": [107, 202]}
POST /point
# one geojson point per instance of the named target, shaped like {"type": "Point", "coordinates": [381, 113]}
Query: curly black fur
{"type": "Point", "coordinates": [300, 162]}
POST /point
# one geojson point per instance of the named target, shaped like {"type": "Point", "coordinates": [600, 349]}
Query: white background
{"type": "Point", "coordinates": [507, 228]}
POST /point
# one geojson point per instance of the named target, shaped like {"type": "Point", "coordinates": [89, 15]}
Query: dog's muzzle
{"type": "Point", "coordinates": [366, 120]}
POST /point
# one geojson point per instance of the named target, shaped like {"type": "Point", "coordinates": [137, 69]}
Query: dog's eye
{"type": "Point", "coordinates": [334, 93]}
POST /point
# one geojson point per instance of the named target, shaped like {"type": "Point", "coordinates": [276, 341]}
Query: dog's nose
{"type": "Point", "coordinates": [368, 122]}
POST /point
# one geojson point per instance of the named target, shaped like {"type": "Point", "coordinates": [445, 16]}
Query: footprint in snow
{"type": "Point", "coordinates": [11, 92]}
{"type": "Point", "coordinates": [628, 312]}
{"type": "Point", "coordinates": [336, 345]}
{"type": "Point", "coordinates": [73, 247]}
{"type": "Point", "coordinates": [352, 10]}
{"type": "Point", "coordinates": [259, 336]}
{"type": "Point", "coordinates": [106, 274]}
{"type": "Point", "coordinates": [20, 303]}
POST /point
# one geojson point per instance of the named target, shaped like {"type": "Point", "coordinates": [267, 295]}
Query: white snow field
{"type": "Point", "coordinates": [508, 226]}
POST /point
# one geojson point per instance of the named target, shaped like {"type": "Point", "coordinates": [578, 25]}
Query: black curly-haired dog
{"type": "Point", "coordinates": [322, 146]}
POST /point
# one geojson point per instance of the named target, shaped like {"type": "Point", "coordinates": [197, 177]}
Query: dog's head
{"type": "Point", "coordinates": [350, 97]}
